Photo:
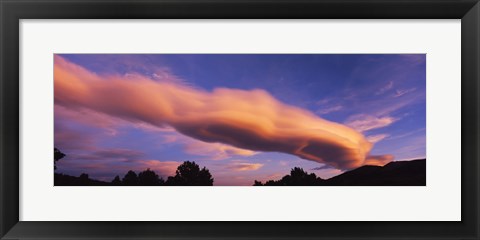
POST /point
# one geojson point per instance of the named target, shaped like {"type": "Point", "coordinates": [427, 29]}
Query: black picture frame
{"type": "Point", "coordinates": [12, 11]}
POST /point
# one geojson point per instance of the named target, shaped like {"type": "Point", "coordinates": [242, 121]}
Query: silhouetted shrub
{"type": "Point", "coordinates": [116, 181]}
{"type": "Point", "coordinates": [84, 179]}
{"type": "Point", "coordinates": [297, 177]}
{"type": "Point", "coordinates": [130, 179]}
{"type": "Point", "coordinates": [149, 178]}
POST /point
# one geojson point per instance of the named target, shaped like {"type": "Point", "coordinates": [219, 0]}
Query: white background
{"type": "Point", "coordinates": [438, 201]}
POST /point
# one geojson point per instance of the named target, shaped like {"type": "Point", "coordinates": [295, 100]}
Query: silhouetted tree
{"type": "Point", "coordinates": [57, 155]}
{"type": "Point", "coordinates": [257, 183]}
{"type": "Point", "coordinates": [149, 178]}
{"type": "Point", "coordinates": [189, 174]}
{"type": "Point", "coordinates": [273, 183]}
{"type": "Point", "coordinates": [130, 179]}
{"type": "Point", "coordinates": [84, 179]}
{"type": "Point", "coordinates": [297, 177]}
{"type": "Point", "coordinates": [116, 181]}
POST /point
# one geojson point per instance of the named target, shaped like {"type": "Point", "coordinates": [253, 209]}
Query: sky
{"type": "Point", "coordinates": [244, 117]}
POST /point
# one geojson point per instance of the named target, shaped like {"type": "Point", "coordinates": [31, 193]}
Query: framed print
{"type": "Point", "coordinates": [239, 119]}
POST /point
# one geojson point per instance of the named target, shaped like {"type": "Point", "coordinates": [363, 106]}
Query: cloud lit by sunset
{"type": "Point", "coordinates": [247, 119]}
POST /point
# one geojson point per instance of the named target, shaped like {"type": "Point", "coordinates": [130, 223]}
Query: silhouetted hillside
{"type": "Point", "coordinates": [83, 180]}
{"type": "Point", "coordinates": [401, 173]}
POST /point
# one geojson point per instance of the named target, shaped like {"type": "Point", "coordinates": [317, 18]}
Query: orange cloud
{"type": "Point", "coordinates": [378, 160]}
{"type": "Point", "coordinates": [216, 151]}
{"type": "Point", "coordinates": [244, 166]}
{"type": "Point", "coordinates": [165, 168]}
{"type": "Point", "coordinates": [377, 138]}
{"type": "Point", "coordinates": [246, 119]}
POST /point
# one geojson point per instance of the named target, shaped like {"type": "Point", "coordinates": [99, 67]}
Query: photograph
{"type": "Point", "coordinates": [239, 119]}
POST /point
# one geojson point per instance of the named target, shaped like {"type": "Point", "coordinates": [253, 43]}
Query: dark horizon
{"type": "Point", "coordinates": [405, 173]}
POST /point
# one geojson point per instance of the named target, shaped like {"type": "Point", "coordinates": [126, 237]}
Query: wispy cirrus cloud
{"type": "Point", "coordinates": [112, 153]}
{"type": "Point", "coordinates": [385, 88]}
{"type": "Point", "coordinates": [330, 109]}
{"type": "Point", "coordinates": [328, 105]}
{"type": "Point", "coordinates": [245, 119]}
{"type": "Point", "coordinates": [243, 166]}
{"type": "Point", "coordinates": [365, 122]}
{"type": "Point", "coordinates": [377, 138]}
{"type": "Point", "coordinates": [410, 133]}
{"type": "Point", "coordinates": [401, 92]}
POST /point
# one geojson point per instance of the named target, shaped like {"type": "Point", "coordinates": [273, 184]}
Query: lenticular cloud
{"type": "Point", "coordinates": [252, 119]}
